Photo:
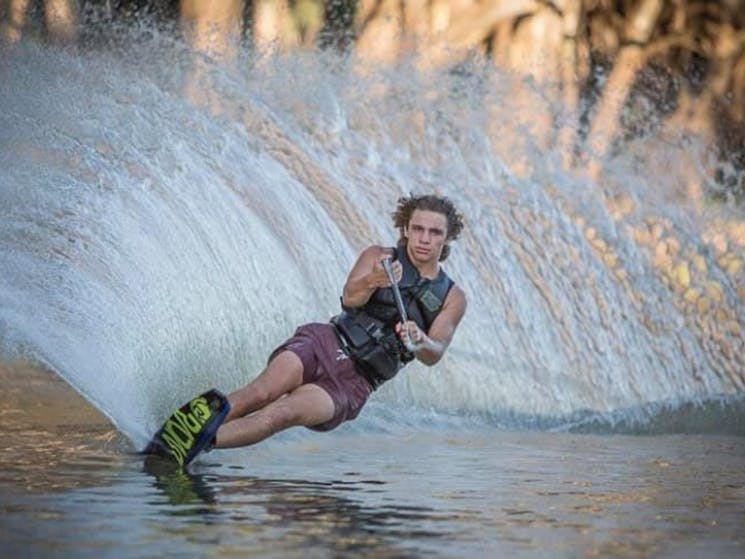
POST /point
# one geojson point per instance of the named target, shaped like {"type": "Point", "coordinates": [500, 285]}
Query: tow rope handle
{"type": "Point", "coordinates": [388, 267]}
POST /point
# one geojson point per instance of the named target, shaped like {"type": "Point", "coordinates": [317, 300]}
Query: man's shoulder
{"type": "Point", "coordinates": [457, 296]}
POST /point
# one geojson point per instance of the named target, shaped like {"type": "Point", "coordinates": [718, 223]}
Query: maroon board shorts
{"type": "Point", "coordinates": [327, 366]}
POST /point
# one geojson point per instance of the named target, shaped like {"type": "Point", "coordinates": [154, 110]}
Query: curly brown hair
{"type": "Point", "coordinates": [429, 202]}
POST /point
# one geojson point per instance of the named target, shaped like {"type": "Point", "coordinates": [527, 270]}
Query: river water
{"type": "Point", "coordinates": [442, 487]}
{"type": "Point", "coordinates": [166, 222]}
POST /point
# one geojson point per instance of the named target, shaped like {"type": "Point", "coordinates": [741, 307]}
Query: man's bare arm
{"type": "Point", "coordinates": [367, 275]}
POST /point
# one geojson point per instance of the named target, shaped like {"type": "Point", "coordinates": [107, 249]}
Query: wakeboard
{"type": "Point", "coordinates": [189, 430]}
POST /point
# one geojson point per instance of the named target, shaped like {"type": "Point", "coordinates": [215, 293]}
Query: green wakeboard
{"type": "Point", "coordinates": [189, 430]}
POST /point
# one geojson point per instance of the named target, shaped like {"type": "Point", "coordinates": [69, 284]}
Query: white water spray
{"type": "Point", "coordinates": [150, 249]}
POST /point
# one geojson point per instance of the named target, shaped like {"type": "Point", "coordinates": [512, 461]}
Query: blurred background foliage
{"type": "Point", "coordinates": [607, 71]}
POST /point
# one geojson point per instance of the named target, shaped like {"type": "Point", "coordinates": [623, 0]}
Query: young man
{"type": "Point", "coordinates": [324, 374]}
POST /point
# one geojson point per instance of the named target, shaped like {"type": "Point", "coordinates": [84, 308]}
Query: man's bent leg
{"type": "Point", "coordinates": [307, 405]}
{"type": "Point", "coordinates": [283, 374]}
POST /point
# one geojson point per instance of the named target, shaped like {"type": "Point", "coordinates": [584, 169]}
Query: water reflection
{"type": "Point", "coordinates": [53, 439]}
{"type": "Point", "coordinates": [336, 515]}
{"type": "Point", "coordinates": [180, 487]}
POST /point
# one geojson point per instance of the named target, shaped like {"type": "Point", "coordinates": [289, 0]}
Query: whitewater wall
{"type": "Point", "coordinates": [160, 233]}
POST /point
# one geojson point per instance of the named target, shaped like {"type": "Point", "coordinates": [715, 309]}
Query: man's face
{"type": "Point", "coordinates": [426, 234]}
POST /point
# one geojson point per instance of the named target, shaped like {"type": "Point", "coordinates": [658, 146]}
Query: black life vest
{"type": "Point", "coordinates": [368, 333]}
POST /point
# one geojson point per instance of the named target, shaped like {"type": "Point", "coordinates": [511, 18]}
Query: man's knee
{"type": "Point", "coordinates": [251, 397]}
{"type": "Point", "coordinates": [261, 393]}
{"type": "Point", "coordinates": [283, 415]}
